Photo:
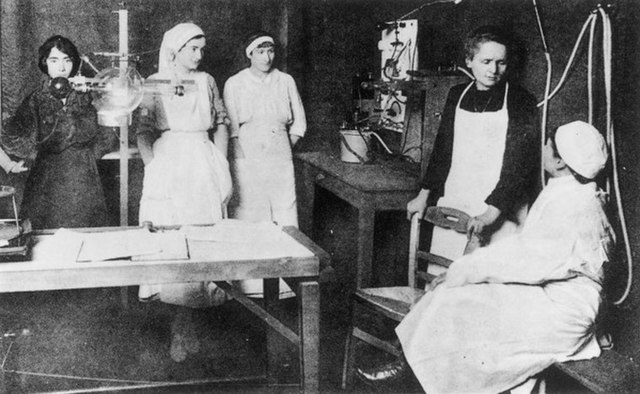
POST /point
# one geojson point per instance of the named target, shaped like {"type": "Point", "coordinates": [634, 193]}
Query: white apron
{"type": "Point", "coordinates": [264, 177]}
{"type": "Point", "coordinates": [187, 182]}
{"type": "Point", "coordinates": [264, 184]}
{"type": "Point", "coordinates": [478, 149]}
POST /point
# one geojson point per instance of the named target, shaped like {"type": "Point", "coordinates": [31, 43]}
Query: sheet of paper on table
{"type": "Point", "coordinates": [236, 231]}
{"type": "Point", "coordinates": [137, 244]}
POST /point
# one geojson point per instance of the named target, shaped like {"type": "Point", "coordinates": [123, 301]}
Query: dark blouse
{"type": "Point", "coordinates": [61, 144]}
{"type": "Point", "coordinates": [521, 161]}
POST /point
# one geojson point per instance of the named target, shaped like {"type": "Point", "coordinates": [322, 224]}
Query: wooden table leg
{"type": "Point", "coordinates": [309, 324]}
{"type": "Point", "coordinates": [124, 297]}
{"type": "Point", "coordinates": [366, 218]}
{"type": "Point", "coordinates": [306, 192]}
{"type": "Point", "coordinates": [274, 342]}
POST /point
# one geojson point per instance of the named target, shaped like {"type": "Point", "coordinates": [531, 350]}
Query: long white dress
{"type": "Point", "coordinates": [263, 113]}
{"type": "Point", "coordinates": [509, 310]}
{"type": "Point", "coordinates": [188, 180]}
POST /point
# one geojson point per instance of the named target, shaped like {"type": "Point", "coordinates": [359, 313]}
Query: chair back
{"type": "Point", "coordinates": [445, 217]}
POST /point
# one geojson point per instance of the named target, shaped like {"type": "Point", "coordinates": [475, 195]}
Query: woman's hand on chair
{"type": "Point", "coordinates": [477, 224]}
{"type": "Point", "coordinates": [437, 281]}
{"type": "Point", "coordinates": [418, 205]}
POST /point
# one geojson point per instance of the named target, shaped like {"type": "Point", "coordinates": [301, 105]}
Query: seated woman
{"type": "Point", "coordinates": [507, 311]}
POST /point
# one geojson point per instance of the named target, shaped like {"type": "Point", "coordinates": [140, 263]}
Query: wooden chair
{"type": "Point", "coordinates": [394, 302]}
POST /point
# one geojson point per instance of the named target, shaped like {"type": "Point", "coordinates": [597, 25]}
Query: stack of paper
{"type": "Point", "coordinates": [139, 244]}
{"type": "Point", "coordinates": [136, 244]}
{"type": "Point", "coordinates": [235, 231]}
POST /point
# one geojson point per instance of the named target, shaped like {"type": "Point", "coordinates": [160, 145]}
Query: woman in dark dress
{"type": "Point", "coordinates": [486, 154]}
{"type": "Point", "coordinates": [56, 132]}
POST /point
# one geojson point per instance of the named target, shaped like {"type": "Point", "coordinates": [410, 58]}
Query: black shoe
{"type": "Point", "coordinates": [387, 375]}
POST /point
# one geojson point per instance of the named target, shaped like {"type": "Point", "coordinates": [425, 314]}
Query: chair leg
{"type": "Point", "coordinates": [349, 359]}
{"type": "Point", "coordinates": [349, 349]}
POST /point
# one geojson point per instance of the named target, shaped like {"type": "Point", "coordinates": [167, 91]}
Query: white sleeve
{"type": "Point", "coordinates": [299, 125]}
{"type": "Point", "coordinates": [232, 107]}
{"type": "Point", "coordinates": [567, 241]}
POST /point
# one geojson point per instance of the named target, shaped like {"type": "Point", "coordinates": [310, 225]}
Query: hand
{"type": "Point", "coordinates": [294, 139]}
{"type": "Point", "coordinates": [145, 124]}
{"type": "Point", "coordinates": [437, 281]}
{"type": "Point", "coordinates": [418, 205]}
{"type": "Point", "coordinates": [477, 224]}
{"type": "Point", "coordinates": [18, 167]}
{"type": "Point", "coordinates": [146, 160]}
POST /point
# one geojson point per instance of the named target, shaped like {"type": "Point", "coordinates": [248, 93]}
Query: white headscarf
{"type": "Point", "coordinates": [193, 111]}
{"type": "Point", "coordinates": [255, 43]}
{"type": "Point", "coordinates": [582, 147]}
{"type": "Point", "coordinates": [173, 40]}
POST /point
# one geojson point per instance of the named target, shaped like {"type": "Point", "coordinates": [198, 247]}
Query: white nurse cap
{"type": "Point", "coordinates": [582, 147]}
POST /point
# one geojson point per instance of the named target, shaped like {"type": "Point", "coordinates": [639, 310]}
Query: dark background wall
{"type": "Point", "coordinates": [324, 42]}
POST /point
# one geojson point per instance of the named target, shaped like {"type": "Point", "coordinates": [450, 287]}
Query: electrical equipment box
{"type": "Point", "coordinates": [399, 54]}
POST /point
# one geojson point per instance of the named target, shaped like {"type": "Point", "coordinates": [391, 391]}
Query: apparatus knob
{"type": "Point", "coordinates": [60, 87]}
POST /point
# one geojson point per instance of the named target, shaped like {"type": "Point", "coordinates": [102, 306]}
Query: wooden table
{"type": "Point", "coordinates": [367, 187]}
{"type": "Point", "coordinates": [293, 257]}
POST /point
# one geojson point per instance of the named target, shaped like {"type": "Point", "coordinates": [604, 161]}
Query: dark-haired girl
{"type": "Point", "coordinates": [56, 133]}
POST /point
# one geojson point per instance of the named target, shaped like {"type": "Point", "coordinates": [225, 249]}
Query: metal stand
{"type": "Point", "coordinates": [123, 50]}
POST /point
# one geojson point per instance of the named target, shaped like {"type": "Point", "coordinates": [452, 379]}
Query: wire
{"type": "Point", "coordinates": [382, 142]}
{"type": "Point", "coordinates": [396, 98]}
{"type": "Point", "coordinates": [569, 63]}
{"type": "Point", "coordinates": [113, 54]}
{"type": "Point", "coordinates": [590, 71]}
{"type": "Point", "coordinates": [547, 95]}
{"type": "Point", "coordinates": [72, 377]}
{"type": "Point", "coordinates": [607, 56]}
{"type": "Point", "coordinates": [397, 104]}
{"type": "Point", "coordinates": [424, 5]}
{"type": "Point", "coordinates": [606, 39]}
{"type": "Point", "coordinates": [413, 54]}
{"type": "Point", "coordinates": [405, 137]}
{"type": "Point", "coordinates": [145, 52]}
{"type": "Point", "coordinates": [397, 58]}
{"type": "Point", "coordinates": [137, 384]}
{"type": "Point", "coordinates": [545, 109]}
{"type": "Point", "coordinates": [391, 60]}
{"type": "Point", "coordinates": [6, 355]}
{"type": "Point", "coordinates": [85, 59]}
{"type": "Point", "coordinates": [609, 132]}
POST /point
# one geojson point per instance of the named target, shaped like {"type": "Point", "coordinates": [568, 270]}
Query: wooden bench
{"type": "Point", "coordinates": [612, 372]}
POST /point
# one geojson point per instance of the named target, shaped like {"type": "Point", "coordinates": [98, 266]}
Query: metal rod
{"type": "Point", "coordinates": [15, 211]}
{"type": "Point", "coordinates": [123, 49]}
